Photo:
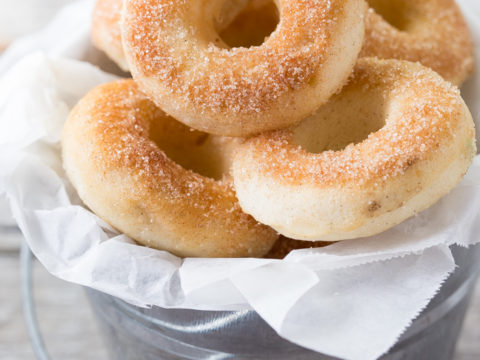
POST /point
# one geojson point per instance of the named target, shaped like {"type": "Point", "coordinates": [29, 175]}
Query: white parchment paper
{"type": "Point", "coordinates": [351, 300]}
{"type": "Point", "coordinates": [21, 17]}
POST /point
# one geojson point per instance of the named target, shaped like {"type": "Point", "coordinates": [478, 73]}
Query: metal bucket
{"type": "Point", "coordinates": [148, 334]}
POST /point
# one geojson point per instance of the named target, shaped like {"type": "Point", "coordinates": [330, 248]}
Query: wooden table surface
{"type": "Point", "coordinates": [68, 326]}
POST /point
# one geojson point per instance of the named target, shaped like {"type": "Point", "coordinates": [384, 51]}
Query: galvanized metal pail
{"type": "Point", "coordinates": [148, 334]}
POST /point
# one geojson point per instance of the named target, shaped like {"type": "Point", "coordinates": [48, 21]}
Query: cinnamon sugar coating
{"type": "Point", "coordinates": [396, 139]}
{"type": "Point", "coordinates": [179, 60]}
{"type": "Point", "coordinates": [432, 32]}
{"type": "Point", "coordinates": [118, 150]}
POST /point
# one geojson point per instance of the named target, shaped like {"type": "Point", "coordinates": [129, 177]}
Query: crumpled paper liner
{"type": "Point", "coordinates": [363, 293]}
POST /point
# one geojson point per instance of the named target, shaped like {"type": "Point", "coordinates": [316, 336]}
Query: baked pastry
{"type": "Point", "coordinates": [393, 142]}
{"type": "Point", "coordinates": [432, 32]}
{"type": "Point", "coordinates": [179, 60]}
{"type": "Point", "coordinates": [124, 156]}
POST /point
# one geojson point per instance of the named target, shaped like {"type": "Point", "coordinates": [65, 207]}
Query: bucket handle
{"type": "Point", "coordinates": [28, 306]}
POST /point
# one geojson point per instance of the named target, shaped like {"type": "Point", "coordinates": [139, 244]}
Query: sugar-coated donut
{"type": "Point", "coordinates": [396, 139]}
{"type": "Point", "coordinates": [106, 31]}
{"type": "Point", "coordinates": [178, 58]}
{"type": "Point", "coordinates": [432, 32]}
{"type": "Point", "coordinates": [117, 151]}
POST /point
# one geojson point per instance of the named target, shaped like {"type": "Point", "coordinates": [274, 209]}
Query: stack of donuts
{"type": "Point", "coordinates": [254, 127]}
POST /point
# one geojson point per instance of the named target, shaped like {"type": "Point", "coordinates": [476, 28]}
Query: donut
{"type": "Point", "coordinates": [394, 141]}
{"type": "Point", "coordinates": [155, 179]}
{"type": "Point", "coordinates": [284, 246]}
{"type": "Point", "coordinates": [432, 32]}
{"type": "Point", "coordinates": [106, 31]}
{"type": "Point", "coordinates": [176, 55]}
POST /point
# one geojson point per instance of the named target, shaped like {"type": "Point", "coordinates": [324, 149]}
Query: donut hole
{"type": "Point", "coordinates": [251, 24]}
{"type": "Point", "coordinates": [346, 119]}
{"type": "Point", "coordinates": [205, 154]}
{"type": "Point", "coordinates": [398, 13]}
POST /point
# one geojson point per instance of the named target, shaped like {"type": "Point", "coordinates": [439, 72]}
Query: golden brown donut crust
{"type": "Point", "coordinates": [111, 154]}
{"type": "Point", "coordinates": [432, 32]}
